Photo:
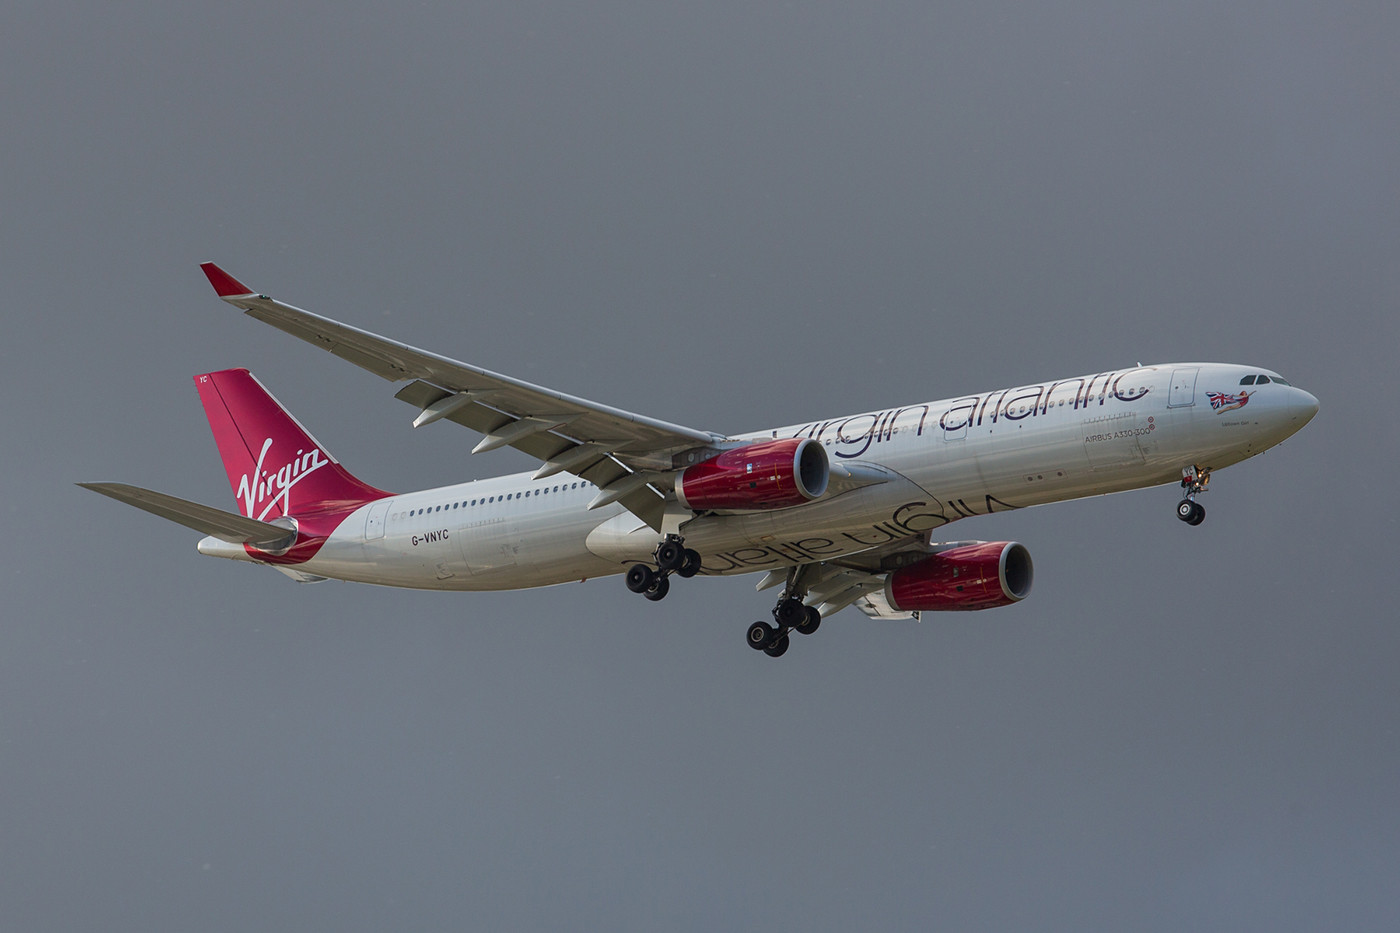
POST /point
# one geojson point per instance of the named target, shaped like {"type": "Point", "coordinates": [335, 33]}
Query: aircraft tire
{"type": "Point", "coordinates": [690, 564]}
{"type": "Point", "coordinates": [640, 578]}
{"type": "Point", "coordinates": [760, 635]}
{"type": "Point", "coordinates": [809, 624]}
{"type": "Point", "coordinates": [778, 648]}
{"type": "Point", "coordinates": [790, 612]}
{"type": "Point", "coordinates": [658, 590]}
{"type": "Point", "coordinates": [670, 555]}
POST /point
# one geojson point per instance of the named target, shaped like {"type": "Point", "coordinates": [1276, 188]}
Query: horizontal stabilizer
{"type": "Point", "coordinates": [226, 526]}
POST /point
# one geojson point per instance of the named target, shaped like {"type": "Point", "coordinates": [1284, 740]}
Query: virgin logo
{"type": "Point", "coordinates": [262, 490]}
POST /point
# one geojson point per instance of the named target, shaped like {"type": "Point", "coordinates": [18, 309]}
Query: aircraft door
{"type": "Point", "coordinates": [374, 520]}
{"type": "Point", "coordinates": [1183, 390]}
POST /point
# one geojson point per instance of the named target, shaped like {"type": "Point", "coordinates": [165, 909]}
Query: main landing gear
{"type": "Point", "coordinates": [1194, 480]}
{"type": "Point", "coordinates": [790, 614]}
{"type": "Point", "coordinates": [671, 556]}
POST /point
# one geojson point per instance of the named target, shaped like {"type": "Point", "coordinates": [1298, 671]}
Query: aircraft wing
{"type": "Point", "coordinates": [226, 526]}
{"type": "Point", "coordinates": [625, 455]}
{"type": "Point", "coordinates": [857, 579]}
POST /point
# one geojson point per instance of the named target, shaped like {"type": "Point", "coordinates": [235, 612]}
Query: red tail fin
{"type": "Point", "coordinates": [274, 466]}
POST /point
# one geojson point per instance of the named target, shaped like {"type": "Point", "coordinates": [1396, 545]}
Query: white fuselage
{"type": "Point", "coordinates": [896, 473]}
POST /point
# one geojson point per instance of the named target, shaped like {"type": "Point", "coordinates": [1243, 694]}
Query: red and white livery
{"type": "Point", "coordinates": [840, 512]}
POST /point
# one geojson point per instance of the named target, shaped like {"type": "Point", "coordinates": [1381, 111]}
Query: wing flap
{"type": "Point", "coordinates": [595, 461]}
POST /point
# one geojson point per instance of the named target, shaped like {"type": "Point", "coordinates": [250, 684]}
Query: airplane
{"type": "Point", "coordinates": [839, 512]}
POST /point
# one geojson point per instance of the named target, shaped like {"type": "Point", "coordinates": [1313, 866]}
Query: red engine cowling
{"type": "Point", "coordinates": [766, 475]}
{"type": "Point", "coordinates": [970, 576]}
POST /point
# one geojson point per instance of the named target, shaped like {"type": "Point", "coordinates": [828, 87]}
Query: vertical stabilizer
{"type": "Point", "coordinates": [275, 467]}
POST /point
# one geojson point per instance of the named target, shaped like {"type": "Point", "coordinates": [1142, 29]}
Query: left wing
{"type": "Point", "coordinates": [629, 457]}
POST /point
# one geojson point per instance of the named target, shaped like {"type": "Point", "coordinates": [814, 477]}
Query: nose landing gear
{"type": "Point", "coordinates": [1194, 481]}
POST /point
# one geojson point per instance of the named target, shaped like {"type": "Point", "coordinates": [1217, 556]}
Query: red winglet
{"type": "Point", "coordinates": [225, 285]}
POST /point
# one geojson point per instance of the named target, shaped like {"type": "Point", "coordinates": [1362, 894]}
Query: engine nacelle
{"type": "Point", "coordinates": [970, 576]}
{"type": "Point", "coordinates": [766, 475]}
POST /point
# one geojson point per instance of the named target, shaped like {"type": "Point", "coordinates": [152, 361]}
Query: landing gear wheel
{"type": "Point", "coordinates": [809, 625]}
{"type": "Point", "coordinates": [789, 612]}
{"type": "Point", "coordinates": [778, 648]}
{"type": "Point", "coordinates": [690, 564]}
{"type": "Point", "coordinates": [640, 578]}
{"type": "Point", "coordinates": [658, 589]}
{"type": "Point", "coordinates": [670, 555]}
{"type": "Point", "coordinates": [761, 635]}
{"type": "Point", "coordinates": [1192, 513]}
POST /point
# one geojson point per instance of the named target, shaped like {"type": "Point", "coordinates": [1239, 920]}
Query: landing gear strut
{"type": "Point", "coordinates": [1194, 481]}
{"type": "Point", "coordinates": [790, 614]}
{"type": "Point", "coordinates": [671, 556]}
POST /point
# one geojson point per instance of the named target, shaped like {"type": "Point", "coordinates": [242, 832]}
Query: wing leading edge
{"type": "Point", "coordinates": [627, 456]}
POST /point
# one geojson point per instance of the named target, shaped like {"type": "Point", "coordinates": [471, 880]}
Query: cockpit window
{"type": "Point", "coordinates": [1281, 381]}
{"type": "Point", "coordinates": [1247, 381]}
{"type": "Point", "coordinates": [1263, 379]}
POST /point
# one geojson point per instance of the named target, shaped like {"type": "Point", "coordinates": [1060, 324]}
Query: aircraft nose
{"type": "Point", "coordinates": [1297, 409]}
{"type": "Point", "coordinates": [1304, 405]}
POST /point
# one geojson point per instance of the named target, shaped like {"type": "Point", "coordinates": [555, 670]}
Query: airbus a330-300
{"type": "Point", "coordinates": [850, 511]}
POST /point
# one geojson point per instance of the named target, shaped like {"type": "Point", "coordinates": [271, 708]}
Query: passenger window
{"type": "Point", "coordinates": [1247, 381]}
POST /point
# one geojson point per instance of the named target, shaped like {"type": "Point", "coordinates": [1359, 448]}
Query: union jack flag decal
{"type": "Point", "coordinates": [1222, 402]}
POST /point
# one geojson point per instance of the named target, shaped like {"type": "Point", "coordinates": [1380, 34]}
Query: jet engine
{"type": "Point", "coordinates": [980, 575]}
{"type": "Point", "coordinates": [766, 475]}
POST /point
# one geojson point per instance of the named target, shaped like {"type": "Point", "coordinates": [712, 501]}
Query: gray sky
{"type": "Point", "coordinates": [730, 216]}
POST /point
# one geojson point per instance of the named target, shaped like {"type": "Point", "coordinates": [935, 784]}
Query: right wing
{"type": "Point", "coordinates": [226, 526]}
{"type": "Point", "coordinates": [627, 456]}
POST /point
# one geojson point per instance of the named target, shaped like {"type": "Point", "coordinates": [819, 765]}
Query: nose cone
{"type": "Point", "coordinates": [1287, 415]}
{"type": "Point", "coordinates": [1303, 406]}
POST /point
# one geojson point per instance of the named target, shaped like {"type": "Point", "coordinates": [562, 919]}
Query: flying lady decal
{"type": "Point", "coordinates": [1223, 403]}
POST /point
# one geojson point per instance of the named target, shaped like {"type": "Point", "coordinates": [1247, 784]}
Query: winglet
{"type": "Point", "coordinates": [225, 285]}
